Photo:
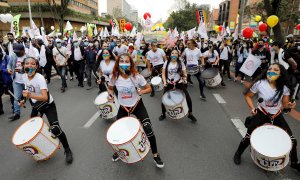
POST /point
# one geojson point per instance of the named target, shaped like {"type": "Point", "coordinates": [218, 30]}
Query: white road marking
{"type": "Point", "coordinates": [92, 120]}
{"type": "Point", "coordinates": [219, 98]}
{"type": "Point", "coordinates": [239, 126]}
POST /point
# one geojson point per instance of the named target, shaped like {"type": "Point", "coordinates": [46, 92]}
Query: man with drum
{"type": "Point", "coordinates": [130, 86]}
{"type": "Point", "coordinates": [193, 55]}
{"type": "Point", "coordinates": [272, 90]}
{"type": "Point", "coordinates": [36, 91]}
{"type": "Point", "coordinates": [174, 75]}
{"type": "Point", "coordinates": [156, 57]}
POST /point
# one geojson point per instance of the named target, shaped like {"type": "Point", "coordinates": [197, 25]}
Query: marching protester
{"type": "Point", "coordinates": [105, 68]}
{"type": "Point", "coordinates": [264, 55]}
{"type": "Point", "coordinates": [242, 53]}
{"type": "Point", "coordinates": [42, 102]}
{"type": "Point", "coordinates": [90, 54]}
{"type": "Point", "coordinates": [121, 48]}
{"type": "Point", "coordinates": [225, 55]}
{"type": "Point", "coordinates": [77, 57]}
{"type": "Point", "coordinates": [130, 86]}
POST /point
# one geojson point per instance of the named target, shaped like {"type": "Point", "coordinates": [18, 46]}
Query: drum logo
{"type": "Point", "coordinates": [122, 153]}
{"type": "Point", "coordinates": [266, 163]}
{"type": "Point", "coordinates": [31, 150]}
{"type": "Point", "coordinates": [173, 113]}
{"type": "Point", "coordinates": [105, 110]}
{"type": "Point", "coordinates": [142, 144]}
{"type": "Point", "coordinates": [210, 82]}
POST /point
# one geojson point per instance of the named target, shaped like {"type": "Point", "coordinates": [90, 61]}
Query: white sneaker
{"type": "Point", "coordinates": [66, 77]}
{"type": "Point", "coordinates": [59, 77]}
{"type": "Point", "coordinates": [85, 80]}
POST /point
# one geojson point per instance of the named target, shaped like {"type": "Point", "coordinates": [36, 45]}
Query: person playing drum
{"type": "Point", "coordinates": [106, 66]}
{"type": "Point", "coordinates": [270, 86]}
{"type": "Point", "coordinates": [42, 102]}
{"type": "Point", "coordinates": [193, 56]}
{"type": "Point", "coordinates": [174, 75]}
{"type": "Point", "coordinates": [128, 81]}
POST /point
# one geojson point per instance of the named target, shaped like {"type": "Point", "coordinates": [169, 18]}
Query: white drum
{"type": "Point", "coordinates": [175, 104]}
{"type": "Point", "coordinates": [157, 83]}
{"type": "Point", "coordinates": [34, 138]}
{"type": "Point", "coordinates": [192, 69]}
{"type": "Point", "coordinates": [127, 138]}
{"type": "Point", "coordinates": [270, 147]}
{"type": "Point", "coordinates": [107, 109]}
{"type": "Point", "coordinates": [211, 77]}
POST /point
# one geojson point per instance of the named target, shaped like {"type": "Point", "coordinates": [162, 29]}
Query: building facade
{"type": "Point", "coordinates": [228, 13]}
{"type": "Point", "coordinates": [121, 8]}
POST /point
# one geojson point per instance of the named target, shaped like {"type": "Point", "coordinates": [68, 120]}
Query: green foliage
{"type": "Point", "coordinates": [184, 19]}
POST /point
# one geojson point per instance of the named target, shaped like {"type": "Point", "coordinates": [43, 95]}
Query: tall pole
{"type": "Point", "coordinates": [30, 16]}
{"type": "Point", "coordinates": [241, 14]}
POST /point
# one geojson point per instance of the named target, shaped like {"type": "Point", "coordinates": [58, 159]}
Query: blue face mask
{"type": "Point", "coordinates": [30, 71]}
{"type": "Point", "coordinates": [76, 44]}
{"type": "Point", "coordinates": [86, 43]}
{"type": "Point", "coordinates": [124, 66]}
{"type": "Point", "coordinates": [58, 45]}
{"type": "Point", "coordinates": [105, 55]}
{"type": "Point", "coordinates": [173, 57]}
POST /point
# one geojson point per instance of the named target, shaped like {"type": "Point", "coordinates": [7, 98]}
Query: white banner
{"type": "Point", "coordinates": [250, 65]}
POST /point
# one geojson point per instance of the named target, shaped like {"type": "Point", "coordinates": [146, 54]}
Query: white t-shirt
{"type": "Point", "coordinates": [107, 69]}
{"type": "Point", "coordinates": [156, 58]}
{"type": "Point", "coordinates": [59, 57]}
{"type": "Point", "coordinates": [127, 94]}
{"type": "Point", "coordinates": [172, 71]}
{"type": "Point", "coordinates": [265, 91]}
{"type": "Point", "coordinates": [120, 50]}
{"type": "Point", "coordinates": [224, 53]}
{"type": "Point", "coordinates": [35, 85]}
{"type": "Point", "coordinates": [192, 56]}
{"type": "Point", "coordinates": [19, 65]}
{"type": "Point", "coordinates": [77, 54]}
{"type": "Point", "coordinates": [35, 52]}
{"type": "Point", "coordinates": [211, 57]}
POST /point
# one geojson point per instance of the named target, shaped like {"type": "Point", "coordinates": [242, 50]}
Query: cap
{"type": "Point", "coordinates": [290, 36]}
{"type": "Point", "coordinates": [277, 43]}
{"type": "Point", "coordinates": [130, 44]}
{"type": "Point", "coordinates": [18, 48]}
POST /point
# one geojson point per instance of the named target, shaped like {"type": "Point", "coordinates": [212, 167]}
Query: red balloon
{"type": "Point", "coordinates": [128, 26]}
{"type": "Point", "coordinates": [247, 32]}
{"type": "Point", "coordinates": [220, 28]}
{"type": "Point", "coordinates": [298, 27]}
{"type": "Point", "coordinates": [147, 15]}
{"type": "Point", "coordinates": [263, 27]}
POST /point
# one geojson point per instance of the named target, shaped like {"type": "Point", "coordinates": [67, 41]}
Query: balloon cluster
{"type": "Point", "coordinates": [6, 18]}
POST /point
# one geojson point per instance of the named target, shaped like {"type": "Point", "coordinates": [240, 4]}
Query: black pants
{"type": "Point", "coordinates": [187, 95]}
{"type": "Point", "coordinates": [142, 115]}
{"type": "Point", "coordinates": [226, 64]}
{"type": "Point", "coordinates": [51, 114]}
{"type": "Point", "coordinates": [200, 82]}
{"type": "Point", "coordinates": [4, 90]}
{"type": "Point", "coordinates": [47, 71]}
{"type": "Point", "coordinates": [70, 68]}
{"type": "Point", "coordinates": [79, 70]}
{"type": "Point", "coordinates": [260, 119]}
{"type": "Point", "coordinates": [156, 70]}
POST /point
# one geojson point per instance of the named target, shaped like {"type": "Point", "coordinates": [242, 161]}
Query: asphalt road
{"type": "Point", "coordinates": [190, 151]}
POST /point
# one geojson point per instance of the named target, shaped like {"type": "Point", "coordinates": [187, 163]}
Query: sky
{"type": "Point", "coordinates": [159, 9]}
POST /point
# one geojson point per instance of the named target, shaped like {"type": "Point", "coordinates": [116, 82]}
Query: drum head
{"type": "Point", "coordinates": [123, 130]}
{"type": "Point", "coordinates": [271, 141]}
{"type": "Point", "coordinates": [27, 131]}
{"type": "Point", "coordinates": [173, 97]}
{"type": "Point", "coordinates": [145, 73]}
{"type": "Point", "coordinates": [209, 73]}
{"type": "Point", "coordinates": [156, 80]}
{"type": "Point", "coordinates": [101, 98]}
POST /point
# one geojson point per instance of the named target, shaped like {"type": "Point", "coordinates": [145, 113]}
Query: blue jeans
{"type": "Point", "coordinates": [18, 89]}
{"type": "Point", "coordinates": [62, 72]}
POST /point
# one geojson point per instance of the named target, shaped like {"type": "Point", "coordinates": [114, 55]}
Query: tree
{"type": "Point", "coordinates": [59, 11]}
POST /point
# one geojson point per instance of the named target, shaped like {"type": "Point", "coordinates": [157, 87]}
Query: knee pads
{"type": "Point", "coordinates": [56, 130]}
{"type": "Point", "coordinates": [147, 126]}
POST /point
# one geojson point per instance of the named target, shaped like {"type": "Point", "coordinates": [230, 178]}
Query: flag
{"type": "Point", "coordinates": [90, 29]}
{"type": "Point", "coordinates": [34, 30]}
{"type": "Point", "coordinates": [44, 38]}
{"type": "Point", "coordinates": [191, 33]}
{"type": "Point", "coordinates": [105, 34]}
{"type": "Point", "coordinates": [95, 30]}
{"type": "Point", "coordinates": [223, 33]}
{"type": "Point", "coordinates": [15, 25]}
{"type": "Point", "coordinates": [101, 33]}
{"type": "Point", "coordinates": [114, 22]}
{"type": "Point", "coordinates": [236, 33]}
{"type": "Point", "coordinates": [69, 27]}
{"type": "Point", "coordinates": [228, 31]}
{"type": "Point", "coordinates": [202, 30]}
{"type": "Point", "coordinates": [175, 33]}
{"type": "Point", "coordinates": [43, 59]}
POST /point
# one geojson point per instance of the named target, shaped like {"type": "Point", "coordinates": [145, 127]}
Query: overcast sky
{"type": "Point", "coordinates": [157, 8]}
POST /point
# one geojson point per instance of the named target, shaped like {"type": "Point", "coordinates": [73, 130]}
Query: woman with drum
{"type": "Point", "coordinates": [271, 88]}
{"type": "Point", "coordinates": [174, 75]}
{"type": "Point", "coordinates": [193, 55]}
{"type": "Point", "coordinates": [42, 102]}
{"type": "Point", "coordinates": [106, 66]}
{"type": "Point", "coordinates": [212, 57]}
{"type": "Point", "coordinates": [130, 86]}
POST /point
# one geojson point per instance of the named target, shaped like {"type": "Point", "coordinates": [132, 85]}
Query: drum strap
{"type": "Point", "coordinates": [272, 117]}
{"type": "Point", "coordinates": [131, 109]}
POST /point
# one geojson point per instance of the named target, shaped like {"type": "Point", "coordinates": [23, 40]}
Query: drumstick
{"type": "Point", "coordinates": [15, 97]}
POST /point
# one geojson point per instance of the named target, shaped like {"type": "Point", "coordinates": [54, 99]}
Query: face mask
{"type": "Point", "coordinates": [272, 49]}
{"type": "Point", "coordinates": [265, 39]}
{"type": "Point", "coordinates": [76, 44]}
{"type": "Point", "coordinates": [30, 71]}
{"type": "Point", "coordinates": [173, 57]}
{"type": "Point", "coordinates": [118, 43]}
{"type": "Point", "coordinates": [272, 76]}
{"type": "Point", "coordinates": [244, 45]}
{"type": "Point", "coordinates": [105, 56]}
{"type": "Point", "coordinates": [124, 67]}
{"type": "Point", "coordinates": [19, 54]}
{"type": "Point", "coordinates": [260, 46]}
{"type": "Point", "coordinates": [91, 44]}
{"type": "Point", "coordinates": [86, 43]}
{"type": "Point", "coordinates": [205, 45]}
{"type": "Point", "coordinates": [96, 43]}
{"type": "Point", "coordinates": [58, 45]}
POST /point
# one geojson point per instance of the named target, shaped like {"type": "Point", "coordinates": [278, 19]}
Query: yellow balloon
{"type": "Point", "coordinates": [217, 28]}
{"type": "Point", "coordinates": [272, 21]}
{"type": "Point", "coordinates": [257, 18]}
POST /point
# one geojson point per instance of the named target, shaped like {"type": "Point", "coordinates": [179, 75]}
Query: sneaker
{"type": "Point", "coordinates": [190, 82]}
{"type": "Point", "coordinates": [14, 117]}
{"type": "Point", "coordinates": [63, 89]}
{"type": "Point", "coordinates": [223, 84]}
{"type": "Point", "coordinates": [66, 77]}
{"type": "Point", "coordinates": [152, 94]}
{"type": "Point", "coordinates": [202, 97]}
{"type": "Point", "coordinates": [69, 156]}
{"type": "Point", "coordinates": [115, 157]}
{"type": "Point", "coordinates": [85, 79]}
{"type": "Point", "coordinates": [158, 161]}
{"type": "Point", "coordinates": [71, 78]}
{"type": "Point", "coordinates": [296, 166]}
{"type": "Point", "coordinates": [237, 158]}
{"type": "Point", "coordinates": [192, 117]}
{"type": "Point", "coordinates": [1, 112]}
{"type": "Point", "coordinates": [162, 117]}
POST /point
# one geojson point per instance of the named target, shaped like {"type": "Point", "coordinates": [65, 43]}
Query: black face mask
{"type": "Point", "coordinates": [260, 46]}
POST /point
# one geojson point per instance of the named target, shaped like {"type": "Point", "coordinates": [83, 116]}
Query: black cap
{"type": "Point", "coordinates": [277, 43]}
{"type": "Point", "coordinates": [18, 48]}
{"type": "Point", "coordinates": [10, 34]}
